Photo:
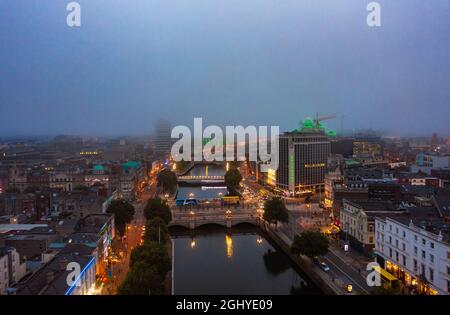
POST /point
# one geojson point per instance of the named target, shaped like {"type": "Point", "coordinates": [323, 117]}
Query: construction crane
{"type": "Point", "coordinates": [319, 119]}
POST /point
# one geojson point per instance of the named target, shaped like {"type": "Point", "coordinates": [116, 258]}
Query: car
{"type": "Point", "coordinates": [324, 266]}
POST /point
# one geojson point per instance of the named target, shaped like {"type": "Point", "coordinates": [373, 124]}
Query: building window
{"type": "Point", "coordinates": [431, 244]}
{"type": "Point", "coordinates": [404, 260]}
{"type": "Point", "coordinates": [415, 238]}
{"type": "Point", "coordinates": [403, 246]}
{"type": "Point", "coordinates": [448, 270]}
{"type": "Point", "coordinates": [390, 252]}
{"type": "Point", "coordinates": [396, 255]}
{"type": "Point", "coordinates": [390, 239]}
{"type": "Point", "coordinates": [396, 230]}
{"type": "Point", "coordinates": [396, 243]}
{"type": "Point", "coordinates": [404, 234]}
{"type": "Point", "coordinates": [370, 239]}
{"type": "Point", "coordinates": [432, 258]}
{"type": "Point", "coordinates": [415, 265]}
{"type": "Point", "coordinates": [415, 250]}
{"type": "Point", "coordinates": [431, 274]}
{"type": "Point", "coordinates": [423, 254]}
{"type": "Point", "coordinates": [423, 241]}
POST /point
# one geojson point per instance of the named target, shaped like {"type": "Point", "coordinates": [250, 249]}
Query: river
{"type": "Point", "coordinates": [219, 261]}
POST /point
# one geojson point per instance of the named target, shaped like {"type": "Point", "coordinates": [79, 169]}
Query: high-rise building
{"type": "Point", "coordinates": [303, 159]}
{"type": "Point", "coordinates": [162, 139]}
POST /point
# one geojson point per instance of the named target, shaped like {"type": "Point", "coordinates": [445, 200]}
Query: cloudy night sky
{"type": "Point", "coordinates": [249, 62]}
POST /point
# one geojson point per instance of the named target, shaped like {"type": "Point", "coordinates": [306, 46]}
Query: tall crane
{"type": "Point", "coordinates": [318, 119]}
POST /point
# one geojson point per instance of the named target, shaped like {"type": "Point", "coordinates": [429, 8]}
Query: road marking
{"type": "Point", "coordinates": [355, 283]}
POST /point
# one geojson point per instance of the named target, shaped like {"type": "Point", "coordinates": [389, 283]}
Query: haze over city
{"type": "Point", "coordinates": [256, 62]}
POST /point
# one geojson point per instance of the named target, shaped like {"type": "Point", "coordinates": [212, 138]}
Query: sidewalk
{"type": "Point", "coordinates": [352, 258]}
{"type": "Point", "coordinates": [333, 283]}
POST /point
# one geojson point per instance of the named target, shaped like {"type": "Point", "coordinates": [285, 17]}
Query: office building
{"type": "Point", "coordinates": [162, 139]}
{"type": "Point", "coordinates": [303, 156]}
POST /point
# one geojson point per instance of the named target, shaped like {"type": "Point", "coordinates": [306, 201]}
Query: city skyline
{"type": "Point", "coordinates": [256, 63]}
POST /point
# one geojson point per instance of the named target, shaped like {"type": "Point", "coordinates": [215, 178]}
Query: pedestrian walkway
{"type": "Point", "coordinates": [332, 281]}
{"type": "Point", "coordinates": [352, 258]}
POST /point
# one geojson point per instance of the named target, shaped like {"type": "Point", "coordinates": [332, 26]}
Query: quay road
{"type": "Point", "coordinates": [131, 239]}
{"type": "Point", "coordinates": [348, 267]}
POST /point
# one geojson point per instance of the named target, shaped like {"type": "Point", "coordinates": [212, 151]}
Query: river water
{"type": "Point", "coordinates": [215, 260]}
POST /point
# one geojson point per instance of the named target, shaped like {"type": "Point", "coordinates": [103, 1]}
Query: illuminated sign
{"type": "Point", "coordinates": [291, 169]}
{"type": "Point", "coordinates": [314, 165]}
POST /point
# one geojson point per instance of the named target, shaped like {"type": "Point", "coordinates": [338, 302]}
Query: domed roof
{"type": "Point", "coordinates": [308, 124]}
{"type": "Point", "coordinates": [99, 168]}
{"type": "Point", "coordinates": [331, 133]}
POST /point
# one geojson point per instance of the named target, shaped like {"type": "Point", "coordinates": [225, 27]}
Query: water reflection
{"type": "Point", "coordinates": [216, 260]}
{"type": "Point", "coordinates": [275, 262]}
{"type": "Point", "coordinates": [229, 242]}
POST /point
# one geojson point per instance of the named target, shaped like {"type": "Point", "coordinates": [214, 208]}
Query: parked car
{"type": "Point", "coordinates": [324, 266]}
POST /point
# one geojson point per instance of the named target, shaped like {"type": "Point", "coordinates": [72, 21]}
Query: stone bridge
{"type": "Point", "coordinates": [194, 218]}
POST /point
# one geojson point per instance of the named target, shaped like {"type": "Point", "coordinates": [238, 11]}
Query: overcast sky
{"type": "Point", "coordinates": [259, 62]}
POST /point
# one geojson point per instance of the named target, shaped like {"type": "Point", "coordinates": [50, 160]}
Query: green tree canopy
{"type": "Point", "coordinates": [155, 230]}
{"type": "Point", "coordinates": [167, 180]}
{"type": "Point", "coordinates": [310, 243]}
{"type": "Point", "coordinates": [152, 254]}
{"type": "Point", "coordinates": [123, 214]}
{"type": "Point", "coordinates": [275, 211]}
{"type": "Point", "coordinates": [232, 179]}
{"type": "Point", "coordinates": [156, 207]}
{"type": "Point", "coordinates": [142, 279]}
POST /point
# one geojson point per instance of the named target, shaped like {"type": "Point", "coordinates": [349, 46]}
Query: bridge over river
{"type": "Point", "coordinates": [227, 217]}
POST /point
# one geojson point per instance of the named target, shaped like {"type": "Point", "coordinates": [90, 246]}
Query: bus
{"type": "Point", "coordinates": [231, 200]}
{"type": "Point", "coordinates": [386, 278]}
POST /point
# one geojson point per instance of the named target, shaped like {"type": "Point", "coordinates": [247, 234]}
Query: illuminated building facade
{"type": "Point", "coordinates": [415, 249]}
{"type": "Point", "coordinates": [303, 157]}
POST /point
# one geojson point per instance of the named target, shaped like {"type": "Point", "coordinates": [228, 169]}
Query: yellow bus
{"type": "Point", "coordinates": [231, 200]}
{"type": "Point", "coordinates": [386, 278]}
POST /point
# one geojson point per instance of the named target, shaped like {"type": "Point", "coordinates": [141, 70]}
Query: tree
{"type": "Point", "coordinates": [156, 230]}
{"type": "Point", "coordinates": [123, 214]}
{"type": "Point", "coordinates": [310, 243]}
{"type": "Point", "coordinates": [275, 211]}
{"type": "Point", "coordinates": [152, 254]}
{"type": "Point", "coordinates": [387, 290]}
{"type": "Point", "coordinates": [167, 180]}
{"type": "Point", "coordinates": [156, 207]}
{"type": "Point", "coordinates": [232, 179]}
{"type": "Point", "coordinates": [142, 280]}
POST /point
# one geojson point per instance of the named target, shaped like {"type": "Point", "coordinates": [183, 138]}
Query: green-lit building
{"type": "Point", "coordinates": [303, 156]}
